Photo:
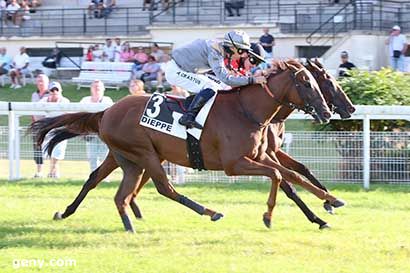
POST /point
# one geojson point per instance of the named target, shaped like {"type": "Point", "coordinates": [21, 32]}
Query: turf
{"type": "Point", "coordinates": [371, 234]}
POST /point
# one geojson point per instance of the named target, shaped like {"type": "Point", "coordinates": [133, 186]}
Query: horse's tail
{"type": "Point", "coordinates": [65, 126]}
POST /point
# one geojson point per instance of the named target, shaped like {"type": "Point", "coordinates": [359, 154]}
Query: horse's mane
{"type": "Point", "coordinates": [281, 65]}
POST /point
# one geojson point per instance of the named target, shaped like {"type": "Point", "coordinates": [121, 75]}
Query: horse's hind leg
{"type": "Point", "coordinates": [134, 207]}
{"type": "Point", "coordinates": [132, 175]}
{"type": "Point", "coordinates": [164, 187]}
{"type": "Point", "coordinates": [289, 162]}
{"type": "Point", "coordinates": [290, 192]}
{"type": "Point", "coordinates": [108, 165]}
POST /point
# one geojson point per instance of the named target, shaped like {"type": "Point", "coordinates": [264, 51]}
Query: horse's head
{"type": "Point", "coordinates": [333, 93]}
{"type": "Point", "coordinates": [304, 93]}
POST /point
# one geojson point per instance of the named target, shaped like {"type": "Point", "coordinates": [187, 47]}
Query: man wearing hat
{"type": "Point", "coordinates": [397, 48]}
{"type": "Point", "coordinates": [345, 65]}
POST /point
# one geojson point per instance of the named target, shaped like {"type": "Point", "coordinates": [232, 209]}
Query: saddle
{"type": "Point", "coordinates": [178, 104]}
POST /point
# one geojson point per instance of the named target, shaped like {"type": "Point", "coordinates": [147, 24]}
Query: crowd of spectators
{"type": "Point", "coordinates": [17, 11]}
{"type": "Point", "coordinates": [149, 63]}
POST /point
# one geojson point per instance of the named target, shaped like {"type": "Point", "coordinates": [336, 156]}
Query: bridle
{"type": "Point", "coordinates": [320, 74]}
{"type": "Point", "coordinates": [306, 108]}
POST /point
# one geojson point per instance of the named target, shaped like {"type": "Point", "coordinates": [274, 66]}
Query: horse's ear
{"type": "Point", "coordinates": [318, 63]}
{"type": "Point", "coordinates": [290, 67]}
{"type": "Point", "coordinates": [309, 62]}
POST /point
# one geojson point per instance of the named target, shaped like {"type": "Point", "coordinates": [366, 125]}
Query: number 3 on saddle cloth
{"type": "Point", "coordinates": [162, 113]}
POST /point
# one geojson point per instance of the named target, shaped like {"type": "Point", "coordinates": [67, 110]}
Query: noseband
{"type": "Point", "coordinates": [321, 73]}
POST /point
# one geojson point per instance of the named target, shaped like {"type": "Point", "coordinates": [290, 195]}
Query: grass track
{"type": "Point", "coordinates": [370, 235]}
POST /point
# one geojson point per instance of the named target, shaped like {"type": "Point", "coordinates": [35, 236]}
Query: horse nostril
{"type": "Point", "coordinates": [327, 115]}
{"type": "Point", "coordinates": [351, 109]}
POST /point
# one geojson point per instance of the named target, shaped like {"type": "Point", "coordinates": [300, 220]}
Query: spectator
{"type": "Point", "coordinates": [12, 13]}
{"type": "Point", "coordinates": [3, 6]}
{"type": "Point", "coordinates": [150, 4]}
{"type": "Point", "coordinates": [98, 53]}
{"type": "Point", "coordinates": [150, 69]}
{"type": "Point", "coordinates": [34, 3]}
{"type": "Point", "coordinates": [108, 51]}
{"type": "Point", "coordinates": [268, 42]}
{"type": "Point", "coordinates": [236, 5]}
{"type": "Point", "coordinates": [161, 74]}
{"type": "Point", "coordinates": [165, 4]}
{"type": "Point", "coordinates": [53, 60]}
{"type": "Point", "coordinates": [42, 82]}
{"type": "Point", "coordinates": [108, 7]}
{"type": "Point", "coordinates": [141, 57]}
{"type": "Point", "coordinates": [5, 62]}
{"type": "Point", "coordinates": [96, 6]}
{"type": "Point", "coordinates": [89, 57]}
{"type": "Point", "coordinates": [117, 49]}
{"type": "Point", "coordinates": [136, 87]}
{"type": "Point", "coordinates": [157, 52]}
{"type": "Point", "coordinates": [96, 149]}
{"type": "Point", "coordinates": [397, 48]}
{"type": "Point", "coordinates": [58, 153]}
{"type": "Point", "coordinates": [20, 68]}
{"type": "Point", "coordinates": [126, 54]}
{"type": "Point", "coordinates": [345, 65]}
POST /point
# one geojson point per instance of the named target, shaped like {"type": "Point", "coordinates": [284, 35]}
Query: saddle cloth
{"type": "Point", "coordinates": [162, 113]}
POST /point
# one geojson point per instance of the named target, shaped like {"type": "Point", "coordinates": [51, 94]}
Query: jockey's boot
{"type": "Point", "coordinates": [188, 119]}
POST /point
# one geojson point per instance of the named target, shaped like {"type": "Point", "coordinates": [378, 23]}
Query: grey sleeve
{"type": "Point", "coordinates": [216, 62]}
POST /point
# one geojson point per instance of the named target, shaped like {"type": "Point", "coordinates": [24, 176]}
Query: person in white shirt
{"type": "Point", "coordinates": [109, 51]}
{"type": "Point", "coordinates": [58, 153]}
{"type": "Point", "coordinates": [397, 49]}
{"type": "Point", "coordinates": [12, 13]}
{"type": "Point", "coordinates": [20, 67]}
{"type": "Point", "coordinates": [96, 150]}
{"type": "Point", "coordinates": [98, 54]}
{"type": "Point", "coordinates": [117, 49]}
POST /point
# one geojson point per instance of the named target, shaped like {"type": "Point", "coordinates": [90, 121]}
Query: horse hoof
{"type": "Point", "coordinates": [338, 203]}
{"type": "Point", "coordinates": [58, 216]}
{"type": "Point", "coordinates": [216, 216]}
{"type": "Point", "coordinates": [131, 231]}
{"type": "Point", "coordinates": [267, 222]}
{"type": "Point", "coordinates": [328, 207]}
{"type": "Point", "coordinates": [324, 226]}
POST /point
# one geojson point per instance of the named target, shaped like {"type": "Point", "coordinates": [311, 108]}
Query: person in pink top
{"type": "Point", "coordinates": [141, 57]}
{"type": "Point", "coordinates": [127, 54]}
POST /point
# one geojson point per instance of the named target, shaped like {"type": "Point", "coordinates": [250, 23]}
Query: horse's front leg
{"type": "Point", "coordinates": [247, 166]}
{"type": "Point", "coordinates": [289, 162]}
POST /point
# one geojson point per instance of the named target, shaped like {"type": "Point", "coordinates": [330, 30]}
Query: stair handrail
{"type": "Point", "coordinates": [309, 37]}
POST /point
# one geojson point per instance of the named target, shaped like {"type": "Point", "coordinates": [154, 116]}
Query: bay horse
{"type": "Point", "coordinates": [234, 139]}
{"type": "Point", "coordinates": [340, 103]}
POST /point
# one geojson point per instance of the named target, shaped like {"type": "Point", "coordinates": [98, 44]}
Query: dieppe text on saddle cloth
{"type": "Point", "coordinates": [158, 116]}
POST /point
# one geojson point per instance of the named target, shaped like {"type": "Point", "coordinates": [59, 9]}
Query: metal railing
{"type": "Point", "coordinates": [78, 21]}
{"type": "Point", "coordinates": [351, 157]}
{"type": "Point", "coordinates": [362, 15]}
{"type": "Point", "coordinates": [316, 19]}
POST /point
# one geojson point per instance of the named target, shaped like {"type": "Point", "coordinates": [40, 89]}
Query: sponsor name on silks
{"type": "Point", "coordinates": [156, 123]}
{"type": "Point", "coordinates": [188, 77]}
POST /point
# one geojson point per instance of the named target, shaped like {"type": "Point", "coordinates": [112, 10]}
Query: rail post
{"type": "Point", "coordinates": [366, 152]}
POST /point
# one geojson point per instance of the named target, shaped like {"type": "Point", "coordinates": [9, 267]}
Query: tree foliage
{"type": "Point", "coordinates": [384, 87]}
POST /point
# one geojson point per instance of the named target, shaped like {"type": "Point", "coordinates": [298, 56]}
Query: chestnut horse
{"type": "Point", "coordinates": [234, 139]}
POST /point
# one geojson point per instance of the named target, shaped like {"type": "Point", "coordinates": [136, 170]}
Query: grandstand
{"type": "Point", "coordinates": [301, 28]}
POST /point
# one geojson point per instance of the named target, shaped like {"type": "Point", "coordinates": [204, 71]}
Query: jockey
{"type": "Point", "coordinates": [189, 61]}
